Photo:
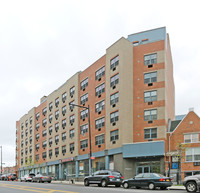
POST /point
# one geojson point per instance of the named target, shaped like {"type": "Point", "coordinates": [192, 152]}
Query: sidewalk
{"type": "Point", "coordinates": [81, 184]}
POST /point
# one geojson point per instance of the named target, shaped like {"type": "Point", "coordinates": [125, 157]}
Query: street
{"type": "Point", "coordinates": [27, 187]}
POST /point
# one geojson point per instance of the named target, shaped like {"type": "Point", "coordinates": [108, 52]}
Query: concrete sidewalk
{"type": "Point", "coordinates": [174, 187]}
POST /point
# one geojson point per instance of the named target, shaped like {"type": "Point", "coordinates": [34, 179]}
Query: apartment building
{"type": "Point", "coordinates": [125, 99]}
{"type": "Point", "coordinates": [183, 149]}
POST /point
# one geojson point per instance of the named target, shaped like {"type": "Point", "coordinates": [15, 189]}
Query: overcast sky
{"type": "Point", "coordinates": [43, 43]}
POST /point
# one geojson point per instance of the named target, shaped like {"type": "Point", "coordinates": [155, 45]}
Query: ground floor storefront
{"type": "Point", "coordinates": [130, 160]}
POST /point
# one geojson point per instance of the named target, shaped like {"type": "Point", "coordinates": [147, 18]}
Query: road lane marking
{"type": "Point", "coordinates": [34, 189]}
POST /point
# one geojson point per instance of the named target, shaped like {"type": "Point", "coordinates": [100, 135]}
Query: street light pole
{"type": "Point", "coordinates": [1, 159]}
{"type": "Point", "coordinates": [90, 149]}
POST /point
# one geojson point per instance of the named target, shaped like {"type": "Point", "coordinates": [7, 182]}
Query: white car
{"type": "Point", "coordinates": [27, 177]}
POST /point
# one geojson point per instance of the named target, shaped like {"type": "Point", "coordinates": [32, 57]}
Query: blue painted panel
{"type": "Point", "coordinates": [154, 148]}
{"type": "Point", "coordinates": [152, 35]}
{"type": "Point", "coordinates": [98, 154]}
{"type": "Point", "coordinates": [53, 163]}
{"type": "Point", "coordinates": [114, 151]}
{"type": "Point", "coordinates": [82, 157]}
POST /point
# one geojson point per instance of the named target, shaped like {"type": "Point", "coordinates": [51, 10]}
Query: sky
{"type": "Point", "coordinates": [44, 42]}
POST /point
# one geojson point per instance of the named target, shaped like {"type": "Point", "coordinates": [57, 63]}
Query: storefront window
{"type": "Point", "coordinates": [52, 171]}
{"type": "Point", "coordinates": [148, 167]}
{"type": "Point", "coordinates": [99, 164]}
{"type": "Point", "coordinates": [84, 168]}
{"type": "Point", "coordinates": [69, 169]}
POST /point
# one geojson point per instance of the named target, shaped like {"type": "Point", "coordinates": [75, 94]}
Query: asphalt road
{"type": "Point", "coordinates": [28, 187]}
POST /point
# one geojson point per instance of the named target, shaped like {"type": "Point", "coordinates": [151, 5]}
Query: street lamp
{"type": "Point", "coordinates": [90, 154]}
{"type": "Point", "coordinates": [1, 159]}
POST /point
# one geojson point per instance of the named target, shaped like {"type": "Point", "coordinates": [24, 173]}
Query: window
{"type": "Point", "coordinates": [50, 118]}
{"type": "Point", "coordinates": [72, 119]}
{"type": "Point", "coordinates": [114, 117]}
{"type": "Point", "coordinates": [31, 120]}
{"type": "Point", "coordinates": [26, 123]}
{"type": "Point", "coordinates": [191, 138]}
{"type": "Point", "coordinates": [22, 161]}
{"type": "Point", "coordinates": [50, 106]}
{"type": "Point", "coordinates": [50, 141]}
{"type": "Point", "coordinates": [84, 129]}
{"type": "Point", "coordinates": [30, 149]}
{"type": "Point", "coordinates": [44, 144]}
{"type": "Point", "coordinates": [99, 73]}
{"type": "Point", "coordinates": [37, 146]}
{"type": "Point", "coordinates": [56, 139]}
{"type": "Point", "coordinates": [26, 151]}
{"type": "Point", "coordinates": [64, 109]}
{"type": "Point", "coordinates": [22, 135]}
{"type": "Point", "coordinates": [37, 126]}
{"type": "Point", "coordinates": [26, 142]}
{"type": "Point", "coordinates": [114, 62]}
{"type": "Point", "coordinates": [22, 144]}
{"type": "Point", "coordinates": [30, 130]}
{"type": "Point", "coordinates": [57, 102]}
{"type": "Point", "coordinates": [37, 136]}
{"type": "Point", "coordinates": [30, 139]}
{"type": "Point", "coordinates": [71, 133]}
{"type": "Point", "coordinates": [99, 140]}
{"type": "Point", "coordinates": [64, 123]}
{"type": "Point", "coordinates": [150, 96]}
{"type": "Point", "coordinates": [84, 114]}
{"type": "Point", "coordinates": [44, 111]}
{"type": "Point", "coordinates": [84, 98]}
{"type": "Point", "coordinates": [37, 157]}
{"type": "Point", "coordinates": [150, 133]}
{"type": "Point", "coordinates": [150, 77]}
{"type": "Point", "coordinates": [37, 116]}
{"type": "Point", "coordinates": [114, 98]}
{"type": "Point", "coordinates": [57, 114]}
{"type": "Point", "coordinates": [192, 154]}
{"type": "Point", "coordinates": [99, 123]}
{"type": "Point", "coordinates": [150, 59]}
{"type": "Point", "coordinates": [44, 122]}
{"type": "Point", "coordinates": [56, 127]}
{"type": "Point", "coordinates": [84, 84]}
{"type": "Point", "coordinates": [56, 151]}
{"type": "Point", "coordinates": [71, 147]}
{"type": "Point", "coordinates": [26, 132]}
{"type": "Point", "coordinates": [150, 115]}
{"type": "Point", "coordinates": [84, 144]}
{"type": "Point", "coordinates": [50, 130]}
{"type": "Point", "coordinates": [44, 155]}
{"type": "Point", "coordinates": [22, 152]}
{"type": "Point", "coordinates": [72, 91]}
{"type": "Point", "coordinates": [100, 89]}
{"type": "Point", "coordinates": [44, 133]}
{"type": "Point", "coordinates": [64, 96]}
{"type": "Point", "coordinates": [64, 136]}
{"type": "Point", "coordinates": [114, 80]}
{"type": "Point", "coordinates": [114, 135]}
{"type": "Point", "coordinates": [71, 105]}
{"type": "Point", "coordinates": [50, 153]}
{"type": "Point", "coordinates": [64, 149]}
{"type": "Point", "coordinates": [100, 106]}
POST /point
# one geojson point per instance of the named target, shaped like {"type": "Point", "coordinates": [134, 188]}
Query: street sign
{"type": "Point", "coordinates": [92, 157]}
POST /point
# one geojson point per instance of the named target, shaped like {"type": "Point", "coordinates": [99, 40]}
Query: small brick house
{"type": "Point", "coordinates": [183, 146]}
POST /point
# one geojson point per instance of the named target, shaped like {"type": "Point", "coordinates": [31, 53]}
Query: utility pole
{"type": "Point", "coordinates": [1, 160]}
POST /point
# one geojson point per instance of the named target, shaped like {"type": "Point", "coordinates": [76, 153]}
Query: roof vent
{"type": "Point", "coordinates": [191, 109]}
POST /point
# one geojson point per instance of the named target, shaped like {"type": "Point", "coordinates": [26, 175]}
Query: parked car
{"type": "Point", "coordinates": [12, 176]}
{"type": "Point", "coordinates": [27, 177]}
{"type": "Point", "coordinates": [150, 180]}
{"type": "Point", "coordinates": [41, 178]}
{"type": "Point", "coordinates": [192, 183]}
{"type": "Point", "coordinates": [2, 176]}
{"type": "Point", "coordinates": [104, 178]}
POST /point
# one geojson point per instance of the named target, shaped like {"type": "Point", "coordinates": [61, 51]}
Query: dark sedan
{"type": "Point", "coordinates": [150, 180]}
{"type": "Point", "coordinates": [41, 178]}
{"type": "Point", "coordinates": [104, 178]}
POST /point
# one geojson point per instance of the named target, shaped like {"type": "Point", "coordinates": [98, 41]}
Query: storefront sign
{"type": "Point", "coordinates": [68, 159]}
{"type": "Point", "coordinates": [174, 165]}
{"type": "Point", "coordinates": [92, 157]}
